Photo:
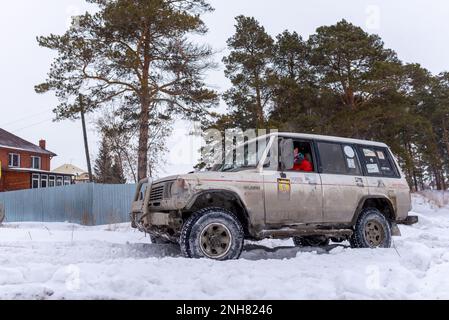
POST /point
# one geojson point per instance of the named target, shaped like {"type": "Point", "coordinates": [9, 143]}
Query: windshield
{"type": "Point", "coordinates": [245, 156]}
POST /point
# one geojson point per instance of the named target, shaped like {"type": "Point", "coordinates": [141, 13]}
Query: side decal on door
{"type": "Point", "coordinates": [284, 189]}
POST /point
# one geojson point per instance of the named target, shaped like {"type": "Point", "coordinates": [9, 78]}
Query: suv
{"type": "Point", "coordinates": [355, 191]}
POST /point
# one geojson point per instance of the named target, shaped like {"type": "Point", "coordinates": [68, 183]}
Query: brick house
{"type": "Point", "coordinates": [24, 165]}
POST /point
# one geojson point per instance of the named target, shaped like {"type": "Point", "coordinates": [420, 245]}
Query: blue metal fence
{"type": "Point", "coordinates": [88, 204]}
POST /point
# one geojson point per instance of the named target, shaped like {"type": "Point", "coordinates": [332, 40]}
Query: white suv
{"type": "Point", "coordinates": [349, 190]}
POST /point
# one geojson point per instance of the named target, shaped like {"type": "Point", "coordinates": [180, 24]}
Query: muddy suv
{"type": "Point", "coordinates": [353, 190]}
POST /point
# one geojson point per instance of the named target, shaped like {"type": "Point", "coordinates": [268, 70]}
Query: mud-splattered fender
{"type": "Point", "coordinates": [391, 206]}
{"type": "Point", "coordinates": [203, 189]}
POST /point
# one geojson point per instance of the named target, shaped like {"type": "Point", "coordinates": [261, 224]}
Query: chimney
{"type": "Point", "coordinates": [42, 144]}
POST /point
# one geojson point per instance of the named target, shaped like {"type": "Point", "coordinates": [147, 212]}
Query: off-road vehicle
{"type": "Point", "coordinates": [355, 191]}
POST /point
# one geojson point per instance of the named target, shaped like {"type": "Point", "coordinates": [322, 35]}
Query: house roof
{"type": "Point", "coordinates": [69, 169]}
{"type": "Point", "coordinates": [38, 171]}
{"type": "Point", "coordinates": [11, 141]}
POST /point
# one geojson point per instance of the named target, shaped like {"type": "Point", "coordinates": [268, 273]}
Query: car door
{"type": "Point", "coordinates": [384, 177]}
{"type": "Point", "coordinates": [291, 197]}
{"type": "Point", "coordinates": [343, 183]}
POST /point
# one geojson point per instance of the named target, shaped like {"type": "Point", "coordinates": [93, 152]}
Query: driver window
{"type": "Point", "coordinates": [304, 161]}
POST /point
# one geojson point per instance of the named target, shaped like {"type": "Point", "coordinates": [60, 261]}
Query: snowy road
{"type": "Point", "coordinates": [63, 261]}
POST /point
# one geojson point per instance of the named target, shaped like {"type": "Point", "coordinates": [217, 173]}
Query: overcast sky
{"type": "Point", "coordinates": [417, 30]}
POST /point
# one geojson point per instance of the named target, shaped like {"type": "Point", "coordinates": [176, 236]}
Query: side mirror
{"type": "Point", "coordinates": [287, 154]}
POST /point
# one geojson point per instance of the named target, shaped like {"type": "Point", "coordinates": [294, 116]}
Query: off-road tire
{"type": "Point", "coordinates": [196, 229]}
{"type": "Point", "coordinates": [372, 230]}
{"type": "Point", "coordinates": [311, 241]}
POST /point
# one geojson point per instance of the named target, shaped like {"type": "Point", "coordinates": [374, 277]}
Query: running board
{"type": "Point", "coordinates": [290, 232]}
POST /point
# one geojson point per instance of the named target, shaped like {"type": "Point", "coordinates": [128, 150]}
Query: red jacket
{"type": "Point", "coordinates": [304, 166]}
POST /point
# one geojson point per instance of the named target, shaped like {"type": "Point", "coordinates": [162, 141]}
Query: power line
{"type": "Point", "coordinates": [24, 118]}
{"type": "Point", "coordinates": [33, 125]}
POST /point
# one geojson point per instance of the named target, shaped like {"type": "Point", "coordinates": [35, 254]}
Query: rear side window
{"type": "Point", "coordinates": [338, 159]}
{"type": "Point", "coordinates": [378, 162]}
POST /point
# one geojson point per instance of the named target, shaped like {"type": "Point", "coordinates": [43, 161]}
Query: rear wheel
{"type": "Point", "coordinates": [311, 241]}
{"type": "Point", "coordinates": [372, 230]}
{"type": "Point", "coordinates": [212, 233]}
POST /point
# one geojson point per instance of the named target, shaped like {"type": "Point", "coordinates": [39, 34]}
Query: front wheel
{"type": "Point", "coordinates": [372, 230]}
{"type": "Point", "coordinates": [212, 233]}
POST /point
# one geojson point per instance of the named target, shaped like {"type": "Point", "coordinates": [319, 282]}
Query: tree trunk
{"type": "Point", "coordinates": [86, 143]}
{"type": "Point", "coordinates": [415, 181]}
{"type": "Point", "coordinates": [412, 169]}
{"type": "Point", "coordinates": [142, 165]}
{"type": "Point", "coordinates": [350, 98]}
{"type": "Point", "coordinates": [142, 154]}
{"type": "Point", "coordinates": [437, 179]}
{"type": "Point", "coordinates": [260, 118]}
{"type": "Point", "coordinates": [260, 115]}
{"type": "Point", "coordinates": [130, 165]}
{"type": "Point", "coordinates": [446, 137]}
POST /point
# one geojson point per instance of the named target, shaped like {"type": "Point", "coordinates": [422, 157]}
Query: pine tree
{"type": "Point", "coordinates": [103, 164]}
{"type": "Point", "coordinates": [248, 68]}
{"type": "Point", "coordinates": [294, 87]}
{"type": "Point", "coordinates": [138, 51]}
{"type": "Point", "coordinates": [117, 174]}
{"type": "Point", "coordinates": [353, 63]}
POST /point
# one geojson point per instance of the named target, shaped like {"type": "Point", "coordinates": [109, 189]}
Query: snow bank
{"type": "Point", "coordinates": [66, 261]}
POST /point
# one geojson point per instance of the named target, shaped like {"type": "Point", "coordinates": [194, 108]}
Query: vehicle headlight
{"type": "Point", "coordinates": [178, 188]}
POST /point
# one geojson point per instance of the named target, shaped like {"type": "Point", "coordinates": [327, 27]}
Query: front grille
{"type": "Point", "coordinates": [157, 193]}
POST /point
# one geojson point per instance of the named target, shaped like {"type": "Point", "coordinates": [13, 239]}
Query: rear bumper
{"type": "Point", "coordinates": [410, 220]}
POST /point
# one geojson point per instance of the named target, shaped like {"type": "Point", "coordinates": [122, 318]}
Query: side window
{"type": "Point", "coordinates": [377, 162]}
{"type": "Point", "coordinates": [338, 159]}
{"type": "Point", "coordinates": [35, 181]}
{"type": "Point", "coordinates": [35, 163]}
{"type": "Point", "coordinates": [352, 162]}
{"type": "Point", "coordinates": [386, 166]}
{"type": "Point", "coordinates": [332, 158]}
{"type": "Point", "coordinates": [304, 160]}
{"type": "Point", "coordinates": [51, 181]}
{"type": "Point", "coordinates": [14, 160]}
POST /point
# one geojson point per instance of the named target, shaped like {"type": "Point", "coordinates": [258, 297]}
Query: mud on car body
{"type": "Point", "coordinates": [355, 192]}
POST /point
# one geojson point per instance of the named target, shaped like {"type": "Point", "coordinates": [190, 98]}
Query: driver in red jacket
{"type": "Point", "coordinates": [301, 163]}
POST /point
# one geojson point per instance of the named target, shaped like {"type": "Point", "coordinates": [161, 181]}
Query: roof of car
{"type": "Point", "coordinates": [328, 138]}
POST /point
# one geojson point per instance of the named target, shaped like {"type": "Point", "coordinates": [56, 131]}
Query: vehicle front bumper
{"type": "Point", "coordinates": [157, 219]}
{"type": "Point", "coordinates": [163, 225]}
{"type": "Point", "coordinates": [410, 220]}
{"type": "Point", "coordinates": [139, 207]}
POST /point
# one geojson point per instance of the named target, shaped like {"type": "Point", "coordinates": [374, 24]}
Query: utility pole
{"type": "Point", "coordinates": [86, 144]}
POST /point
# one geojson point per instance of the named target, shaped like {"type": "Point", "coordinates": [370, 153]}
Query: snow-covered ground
{"type": "Point", "coordinates": [64, 261]}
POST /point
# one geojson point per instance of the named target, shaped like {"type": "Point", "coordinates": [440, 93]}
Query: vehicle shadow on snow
{"type": "Point", "coordinates": [250, 252]}
{"type": "Point", "coordinates": [258, 252]}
